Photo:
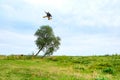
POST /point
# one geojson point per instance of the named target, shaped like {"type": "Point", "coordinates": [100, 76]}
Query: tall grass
{"type": "Point", "coordinates": [27, 67]}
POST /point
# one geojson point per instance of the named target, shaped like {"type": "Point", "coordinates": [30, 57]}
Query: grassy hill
{"type": "Point", "coordinates": [60, 68]}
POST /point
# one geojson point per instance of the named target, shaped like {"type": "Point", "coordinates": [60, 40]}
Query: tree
{"type": "Point", "coordinates": [46, 40]}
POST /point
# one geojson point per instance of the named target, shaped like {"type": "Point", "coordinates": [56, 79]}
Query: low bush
{"type": "Point", "coordinates": [108, 70]}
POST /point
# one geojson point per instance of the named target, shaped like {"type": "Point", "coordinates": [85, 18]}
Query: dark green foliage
{"type": "Point", "coordinates": [108, 70]}
{"type": "Point", "coordinates": [46, 40]}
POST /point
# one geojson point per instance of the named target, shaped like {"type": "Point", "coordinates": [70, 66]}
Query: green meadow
{"type": "Point", "coordinates": [15, 67]}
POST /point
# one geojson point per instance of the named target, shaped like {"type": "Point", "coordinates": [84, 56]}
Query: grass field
{"type": "Point", "coordinates": [60, 68]}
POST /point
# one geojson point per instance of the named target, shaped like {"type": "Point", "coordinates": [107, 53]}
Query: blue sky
{"type": "Point", "coordinates": [86, 27]}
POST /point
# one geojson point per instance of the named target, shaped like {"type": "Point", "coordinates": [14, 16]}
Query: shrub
{"type": "Point", "coordinates": [108, 70]}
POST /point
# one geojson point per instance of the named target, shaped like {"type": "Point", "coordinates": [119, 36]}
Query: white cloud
{"type": "Point", "coordinates": [70, 17]}
{"type": "Point", "coordinates": [89, 45]}
{"type": "Point", "coordinates": [9, 11]}
{"type": "Point", "coordinates": [95, 13]}
{"type": "Point", "coordinates": [12, 42]}
{"type": "Point", "coordinates": [84, 13]}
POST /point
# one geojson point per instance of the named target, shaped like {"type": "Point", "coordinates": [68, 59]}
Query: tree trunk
{"type": "Point", "coordinates": [38, 52]}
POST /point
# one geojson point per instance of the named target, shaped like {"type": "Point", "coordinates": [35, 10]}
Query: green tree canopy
{"type": "Point", "coordinates": [46, 40]}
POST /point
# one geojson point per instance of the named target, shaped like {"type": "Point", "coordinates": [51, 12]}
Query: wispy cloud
{"type": "Point", "coordinates": [14, 42]}
{"type": "Point", "coordinates": [86, 27]}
